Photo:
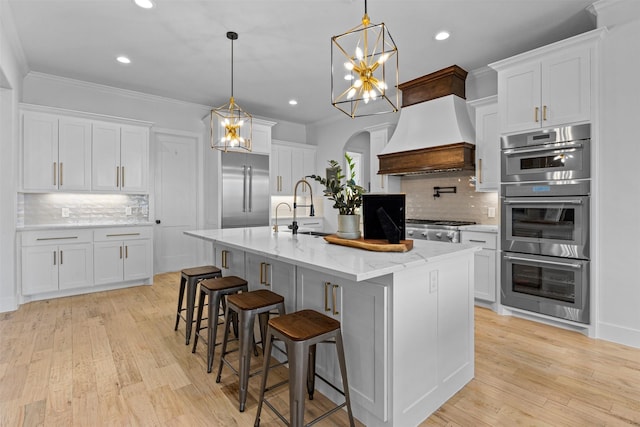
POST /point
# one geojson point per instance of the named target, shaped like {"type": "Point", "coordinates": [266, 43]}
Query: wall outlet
{"type": "Point", "coordinates": [433, 281]}
{"type": "Point", "coordinates": [127, 210]}
{"type": "Point", "coordinates": [491, 212]}
{"type": "Point", "coordinates": [65, 212]}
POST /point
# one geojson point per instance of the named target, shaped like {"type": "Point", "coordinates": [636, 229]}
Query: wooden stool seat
{"type": "Point", "coordinates": [215, 290]}
{"type": "Point", "coordinates": [255, 299]}
{"type": "Point", "coordinates": [304, 325]}
{"type": "Point", "coordinates": [247, 306]}
{"type": "Point", "coordinates": [189, 279]}
{"type": "Point", "coordinates": [301, 331]}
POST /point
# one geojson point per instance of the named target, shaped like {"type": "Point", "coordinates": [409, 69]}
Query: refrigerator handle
{"type": "Point", "coordinates": [244, 188]}
{"type": "Point", "coordinates": [250, 195]}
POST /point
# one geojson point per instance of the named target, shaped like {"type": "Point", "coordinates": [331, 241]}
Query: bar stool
{"type": "Point", "coordinates": [215, 289]}
{"type": "Point", "coordinates": [301, 331]}
{"type": "Point", "coordinates": [189, 279]}
{"type": "Point", "coordinates": [247, 305]}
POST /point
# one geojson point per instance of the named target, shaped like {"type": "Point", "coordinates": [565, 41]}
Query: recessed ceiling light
{"type": "Point", "coordinates": [442, 35]}
{"type": "Point", "coordinates": [145, 4]}
{"type": "Point", "coordinates": [293, 102]}
{"type": "Point", "coordinates": [123, 60]}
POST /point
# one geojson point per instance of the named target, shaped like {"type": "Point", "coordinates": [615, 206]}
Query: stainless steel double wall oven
{"type": "Point", "coordinates": [545, 221]}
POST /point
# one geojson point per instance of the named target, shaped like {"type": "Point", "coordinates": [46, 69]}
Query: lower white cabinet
{"type": "Point", "coordinates": [485, 278]}
{"type": "Point", "coordinates": [229, 260]}
{"type": "Point", "coordinates": [122, 254]}
{"type": "Point", "coordinates": [56, 260]}
{"type": "Point", "coordinates": [276, 276]}
{"type": "Point", "coordinates": [360, 308]}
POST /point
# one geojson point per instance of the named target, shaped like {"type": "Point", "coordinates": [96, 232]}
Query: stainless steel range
{"type": "Point", "coordinates": [431, 229]}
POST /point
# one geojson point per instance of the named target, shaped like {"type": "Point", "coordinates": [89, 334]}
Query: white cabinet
{"type": "Point", "coordinates": [546, 87]}
{"type": "Point", "coordinates": [122, 254]}
{"type": "Point", "coordinates": [487, 144]}
{"type": "Point", "coordinates": [276, 276]}
{"type": "Point", "coordinates": [485, 278]}
{"type": "Point", "coordinates": [56, 260]}
{"type": "Point", "coordinates": [361, 309]}
{"type": "Point", "coordinates": [120, 157]}
{"type": "Point", "coordinates": [229, 260]}
{"type": "Point", "coordinates": [291, 162]}
{"type": "Point", "coordinates": [56, 152]}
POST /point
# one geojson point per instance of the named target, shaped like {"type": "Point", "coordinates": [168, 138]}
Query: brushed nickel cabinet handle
{"type": "Point", "coordinates": [61, 174]}
{"type": "Point", "coordinates": [122, 170]}
{"type": "Point", "coordinates": [267, 266]}
{"type": "Point", "coordinates": [544, 115]}
{"type": "Point", "coordinates": [262, 273]}
{"type": "Point", "coordinates": [117, 176]}
{"type": "Point", "coordinates": [123, 234]}
{"type": "Point", "coordinates": [335, 299]}
{"type": "Point", "coordinates": [224, 259]}
{"type": "Point", "coordinates": [126, 251]}
{"type": "Point", "coordinates": [480, 171]}
{"type": "Point", "coordinates": [536, 115]}
{"type": "Point", "coordinates": [55, 172]}
{"type": "Point", "coordinates": [120, 252]}
{"type": "Point", "coordinates": [326, 296]}
{"type": "Point", "coordinates": [54, 258]}
{"type": "Point", "coordinates": [61, 260]}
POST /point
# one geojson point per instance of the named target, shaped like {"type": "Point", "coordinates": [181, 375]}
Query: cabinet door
{"type": "Point", "coordinates": [261, 138]}
{"type": "Point", "coordinates": [282, 166]}
{"type": "Point", "coordinates": [108, 262]}
{"type": "Point", "coordinates": [74, 154]}
{"type": "Point", "coordinates": [230, 261]}
{"type": "Point", "coordinates": [75, 266]}
{"type": "Point", "coordinates": [39, 269]}
{"type": "Point", "coordinates": [485, 275]}
{"type": "Point", "coordinates": [487, 148]}
{"type": "Point", "coordinates": [105, 163]}
{"type": "Point", "coordinates": [40, 151]}
{"type": "Point", "coordinates": [566, 88]}
{"type": "Point", "coordinates": [137, 259]}
{"type": "Point", "coordinates": [134, 159]}
{"type": "Point", "coordinates": [519, 98]}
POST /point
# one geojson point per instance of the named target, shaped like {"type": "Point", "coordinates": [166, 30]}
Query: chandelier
{"type": "Point", "coordinates": [362, 85]}
{"type": "Point", "coordinates": [231, 126]}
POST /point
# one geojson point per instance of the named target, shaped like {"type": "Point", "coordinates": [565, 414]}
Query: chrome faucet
{"type": "Point", "coordinates": [294, 225]}
{"type": "Point", "coordinates": [275, 227]}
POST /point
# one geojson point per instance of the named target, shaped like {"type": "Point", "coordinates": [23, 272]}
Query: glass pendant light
{"type": "Point", "coordinates": [231, 126]}
{"type": "Point", "coordinates": [361, 83]}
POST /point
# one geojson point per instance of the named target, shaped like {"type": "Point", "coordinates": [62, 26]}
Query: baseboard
{"type": "Point", "coordinates": [619, 334]}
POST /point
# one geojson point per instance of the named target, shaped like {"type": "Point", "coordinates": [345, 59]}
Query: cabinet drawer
{"type": "Point", "coordinates": [478, 238]}
{"type": "Point", "coordinates": [56, 237]}
{"type": "Point", "coordinates": [122, 233]}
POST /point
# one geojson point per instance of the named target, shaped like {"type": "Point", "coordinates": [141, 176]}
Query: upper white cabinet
{"type": "Point", "coordinates": [487, 144]}
{"type": "Point", "coordinates": [120, 157]}
{"type": "Point", "coordinates": [290, 162]}
{"type": "Point", "coordinates": [56, 152]}
{"type": "Point", "coordinates": [548, 86]}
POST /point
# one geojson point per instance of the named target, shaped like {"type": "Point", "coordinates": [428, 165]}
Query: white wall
{"type": "Point", "coordinates": [617, 213]}
{"type": "Point", "coordinates": [12, 69]}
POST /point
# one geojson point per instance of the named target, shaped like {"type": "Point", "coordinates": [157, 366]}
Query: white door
{"type": "Point", "coordinates": [176, 201]}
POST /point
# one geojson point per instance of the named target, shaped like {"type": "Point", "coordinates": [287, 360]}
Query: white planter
{"type": "Point", "coordinates": [348, 226]}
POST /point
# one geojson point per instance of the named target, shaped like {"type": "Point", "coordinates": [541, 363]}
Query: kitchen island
{"type": "Point", "coordinates": [406, 318]}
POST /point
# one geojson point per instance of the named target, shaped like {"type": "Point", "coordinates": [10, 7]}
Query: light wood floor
{"type": "Point", "coordinates": [112, 358]}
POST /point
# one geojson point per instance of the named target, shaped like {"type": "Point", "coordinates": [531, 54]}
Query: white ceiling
{"type": "Point", "coordinates": [179, 48]}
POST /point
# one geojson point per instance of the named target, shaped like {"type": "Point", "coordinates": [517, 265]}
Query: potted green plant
{"type": "Point", "coordinates": [346, 196]}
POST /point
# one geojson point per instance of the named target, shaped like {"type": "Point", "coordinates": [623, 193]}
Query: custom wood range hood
{"type": "Point", "coordinates": [434, 133]}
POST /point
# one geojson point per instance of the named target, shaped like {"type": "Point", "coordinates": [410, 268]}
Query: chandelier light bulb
{"type": "Point", "coordinates": [359, 53]}
{"type": "Point", "coordinates": [348, 65]}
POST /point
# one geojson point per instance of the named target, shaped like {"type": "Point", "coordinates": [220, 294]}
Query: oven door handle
{"type": "Point", "coordinates": [539, 201]}
{"type": "Point", "coordinates": [566, 147]}
{"type": "Point", "coordinates": [563, 264]}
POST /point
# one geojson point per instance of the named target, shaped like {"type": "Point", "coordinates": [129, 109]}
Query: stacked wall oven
{"type": "Point", "coordinates": [545, 204]}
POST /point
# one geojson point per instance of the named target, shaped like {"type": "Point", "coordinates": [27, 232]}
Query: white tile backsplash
{"type": "Point", "coordinates": [465, 205]}
{"type": "Point", "coordinates": [35, 209]}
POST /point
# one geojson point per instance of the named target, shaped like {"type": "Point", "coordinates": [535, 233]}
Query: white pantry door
{"type": "Point", "coordinates": [176, 201]}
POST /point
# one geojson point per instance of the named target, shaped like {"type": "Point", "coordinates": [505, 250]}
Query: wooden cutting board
{"type": "Point", "coordinates": [378, 245]}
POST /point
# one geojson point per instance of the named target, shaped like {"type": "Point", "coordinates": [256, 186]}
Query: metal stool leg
{"type": "Point", "coordinates": [214, 308]}
{"type": "Point", "coordinates": [247, 319]}
{"type": "Point", "coordinates": [311, 374]}
{"type": "Point", "coordinates": [298, 369]}
{"type": "Point", "coordinates": [225, 340]}
{"type": "Point", "coordinates": [343, 373]}
{"type": "Point", "coordinates": [183, 282]}
{"type": "Point", "coordinates": [191, 302]}
{"type": "Point", "coordinates": [198, 322]}
{"type": "Point", "coordinates": [265, 373]}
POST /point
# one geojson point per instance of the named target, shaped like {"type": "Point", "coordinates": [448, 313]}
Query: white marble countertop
{"type": "Point", "coordinates": [485, 228]}
{"type": "Point", "coordinates": [316, 253]}
{"type": "Point", "coordinates": [78, 226]}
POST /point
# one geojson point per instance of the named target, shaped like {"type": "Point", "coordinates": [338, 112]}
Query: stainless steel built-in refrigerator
{"type": "Point", "coordinates": [245, 190]}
